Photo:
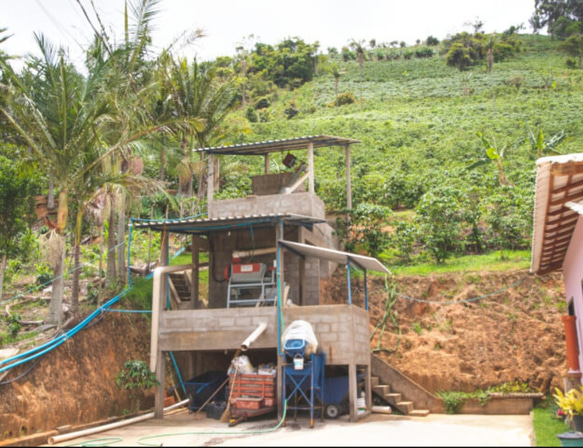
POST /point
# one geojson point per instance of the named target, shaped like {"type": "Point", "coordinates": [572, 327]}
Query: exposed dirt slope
{"type": "Point", "coordinates": [514, 335]}
{"type": "Point", "coordinates": [75, 383]}
{"type": "Point", "coordinates": [474, 342]}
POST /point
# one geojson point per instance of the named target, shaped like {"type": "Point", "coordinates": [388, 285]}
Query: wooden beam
{"type": "Point", "coordinates": [550, 268]}
{"type": "Point", "coordinates": [311, 168]}
{"type": "Point", "coordinates": [563, 220]}
{"type": "Point", "coordinates": [574, 198]}
{"type": "Point", "coordinates": [266, 163]}
{"type": "Point", "coordinates": [568, 187]}
{"type": "Point", "coordinates": [567, 169]}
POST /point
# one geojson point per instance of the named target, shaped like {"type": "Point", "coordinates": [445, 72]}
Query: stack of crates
{"type": "Point", "coordinates": [253, 392]}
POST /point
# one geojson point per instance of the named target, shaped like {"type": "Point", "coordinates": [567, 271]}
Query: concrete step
{"type": "Point", "coordinates": [374, 381]}
{"type": "Point", "coordinates": [393, 398]}
{"type": "Point", "coordinates": [406, 407]}
{"type": "Point", "coordinates": [381, 389]}
{"type": "Point", "coordinates": [419, 413]}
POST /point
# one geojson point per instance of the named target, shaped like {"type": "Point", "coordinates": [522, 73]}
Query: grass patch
{"type": "Point", "coordinates": [140, 296]}
{"type": "Point", "coordinates": [186, 258]}
{"type": "Point", "coordinates": [488, 262]}
{"type": "Point", "coordinates": [546, 425]}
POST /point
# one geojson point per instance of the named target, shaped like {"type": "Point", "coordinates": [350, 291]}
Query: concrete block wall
{"type": "Point", "coordinates": [306, 204]}
{"type": "Point", "coordinates": [342, 331]}
{"type": "Point", "coordinates": [273, 183]}
{"type": "Point", "coordinates": [216, 329]}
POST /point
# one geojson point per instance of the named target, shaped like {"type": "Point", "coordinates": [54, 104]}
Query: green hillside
{"type": "Point", "coordinates": [418, 122]}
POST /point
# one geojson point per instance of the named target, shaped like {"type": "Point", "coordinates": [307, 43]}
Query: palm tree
{"type": "Point", "coordinates": [358, 47]}
{"type": "Point", "coordinates": [200, 97]}
{"type": "Point", "coordinates": [337, 73]}
{"type": "Point", "coordinates": [59, 114]}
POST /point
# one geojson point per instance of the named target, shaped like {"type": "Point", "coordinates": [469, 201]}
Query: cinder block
{"type": "Point", "coordinates": [226, 322]}
{"type": "Point", "coordinates": [328, 337]}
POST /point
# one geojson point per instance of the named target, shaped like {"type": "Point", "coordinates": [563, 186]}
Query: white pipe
{"type": "Point", "coordinates": [86, 432]}
{"type": "Point", "coordinates": [253, 336]}
{"type": "Point", "coordinates": [157, 307]}
{"type": "Point", "coordinates": [382, 410]}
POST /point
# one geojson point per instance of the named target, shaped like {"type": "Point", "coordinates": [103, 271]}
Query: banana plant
{"type": "Point", "coordinates": [494, 155]}
{"type": "Point", "coordinates": [542, 146]}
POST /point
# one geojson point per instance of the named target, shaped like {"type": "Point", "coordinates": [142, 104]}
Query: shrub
{"type": "Point", "coordinates": [439, 216]}
{"type": "Point", "coordinates": [344, 99]}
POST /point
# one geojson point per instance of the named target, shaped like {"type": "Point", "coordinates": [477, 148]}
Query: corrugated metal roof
{"type": "Point", "coordinates": [335, 256]}
{"type": "Point", "coordinates": [205, 226]}
{"type": "Point", "coordinates": [559, 189]}
{"type": "Point", "coordinates": [291, 144]}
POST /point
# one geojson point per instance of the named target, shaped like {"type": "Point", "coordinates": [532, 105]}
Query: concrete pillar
{"type": "Point", "coordinates": [161, 377]}
{"type": "Point", "coordinates": [352, 392]}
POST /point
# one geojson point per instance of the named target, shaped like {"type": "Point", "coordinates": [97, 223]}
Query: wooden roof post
{"type": "Point", "coordinates": [210, 182]}
{"type": "Point", "coordinates": [266, 162]}
{"type": "Point", "coordinates": [195, 249]}
{"type": "Point", "coordinates": [348, 182]}
{"type": "Point", "coordinates": [216, 173]}
{"type": "Point", "coordinates": [311, 167]}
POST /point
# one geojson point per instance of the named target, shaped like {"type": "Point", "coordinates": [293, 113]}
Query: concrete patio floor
{"type": "Point", "coordinates": [182, 428]}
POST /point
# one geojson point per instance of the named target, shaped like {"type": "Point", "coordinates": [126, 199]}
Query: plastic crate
{"type": "Point", "coordinates": [252, 391]}
{"type": "Point", "coordinates": [216, 409]}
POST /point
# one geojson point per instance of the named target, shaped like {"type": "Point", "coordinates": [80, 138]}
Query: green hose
{"type": "Point", "coordinates": [140, 441]}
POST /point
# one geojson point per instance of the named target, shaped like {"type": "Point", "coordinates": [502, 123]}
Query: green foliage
{"type": "Point", "coordinates": [573, 46]}
{"type": "Point", "coordinates": [16, 203]}
{"type": "Point", "coordinates": [464, 49]}
{"type": "Point", "coordinates": [512, 387]}
{"type": "Point", "coordinates": [14, 325]}
{"type": "Point", "coordinates": [454, 400]}
{"type": "Point", "coordinates": [363, 228]}
{"type": "Point", "coordinates": [135, 375]}
{"type": "Point", "coordinates": [570, 402]}
{"type": "Point", "coordinates": [343, 99]}
{"type": "Point", "coordinates": [291, 110]}
{"type": "Point", "coordinates": [403, 238]}
{"type": "Point", "coordinates": [416, 326]}
{"type": "Point", "coordinates": [509, 219]}
{"type": "Point", "coordinates": [439, 219]}
{"type": "Point", "coordinates": [140, 296]}
{"type": "Point", "coordinates": [547, 424]}
{"type": "Point", "coordinates": [43, 274]}
{"type": "Point", "coordinates": [290, 63]}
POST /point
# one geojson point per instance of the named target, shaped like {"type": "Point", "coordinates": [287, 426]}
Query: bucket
{"type": "Point", "coordinates": [298, 362]}
{"type": "Point", "coordinates": [571, 438]}
{"type": "Point", "coordinates": [361, 405]}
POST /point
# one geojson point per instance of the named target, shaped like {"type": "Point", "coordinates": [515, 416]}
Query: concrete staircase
{"type": "Point", "coordinates": [401, 392]}
{"type": "Point", "coordinates": [395, 399]}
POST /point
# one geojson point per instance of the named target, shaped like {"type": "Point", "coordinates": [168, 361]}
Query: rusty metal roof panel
{"type": "Point", "coordinates": [266, 147]}
{"type": "Point", "coordinates": [197, 226]}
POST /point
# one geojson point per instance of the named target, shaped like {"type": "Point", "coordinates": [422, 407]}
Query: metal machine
{"type": "Point", "coordinates": [303, 379]}
{"type": "Point", "coordinates": [251, 284]}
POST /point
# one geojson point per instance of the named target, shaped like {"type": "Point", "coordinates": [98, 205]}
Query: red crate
{"type": "Point", "coordinates": [253, 389]}
{"type": "Point", "coordinates": [247, 403]}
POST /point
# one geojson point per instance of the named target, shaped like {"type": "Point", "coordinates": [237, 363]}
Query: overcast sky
{"type": "Point", "coordinates": [333, 23]}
